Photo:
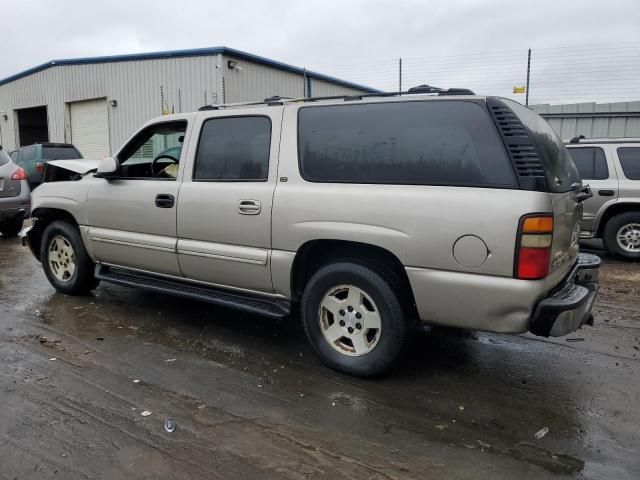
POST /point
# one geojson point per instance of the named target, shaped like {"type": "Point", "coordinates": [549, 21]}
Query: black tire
{"type": "Point", "coordinates": [11, 227]}
{"type": "Point", "coordinates": [82, 281]}
{"type": "Point", "coordinates": [610, 232]}
{"type": "Point", "coordinates": [392, 318]}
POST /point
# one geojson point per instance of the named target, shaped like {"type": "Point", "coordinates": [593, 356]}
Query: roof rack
{"type": "Point", "coordinates": [278, 100]}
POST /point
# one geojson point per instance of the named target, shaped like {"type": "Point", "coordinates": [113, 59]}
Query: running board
{"type": "Point", "coordinates": [269, 307]}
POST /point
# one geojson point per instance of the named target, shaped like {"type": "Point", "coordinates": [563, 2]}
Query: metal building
{"type": "Point", "coordinates": [593, 120]}
{"type": "Point", "coordinates": [97, 103]}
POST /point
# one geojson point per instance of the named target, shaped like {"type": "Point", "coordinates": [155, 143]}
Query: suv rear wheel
{"type": "Point", "coordinates": [353, 319]}
{"type": "Point", "coordinates": [622, 235]}
{"type": "Point", "coordinates": [65, 261]}
{"type": "Point", "coordinates": [11, 228]}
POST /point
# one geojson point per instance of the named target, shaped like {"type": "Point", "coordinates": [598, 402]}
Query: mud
{"type": "Point", "coordinates": [250, 400]}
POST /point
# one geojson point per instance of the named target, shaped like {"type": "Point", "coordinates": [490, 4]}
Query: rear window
{"type": "Point", "coordinates": [630, 161]}
{"type": "Point", "coordinates": [60, 153]}
{"type": "Point", "coordinates": [562, 174]}
{"type": "Point", "coordinates": [423, 143]}
{"type": "Point", "coordinates": [590, 162]}
{"type": "Point", "coordinates": [4, 158]}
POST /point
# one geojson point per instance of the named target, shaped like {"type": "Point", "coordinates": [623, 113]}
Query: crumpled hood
{"type": "Point", "coordinates": [80, 166]}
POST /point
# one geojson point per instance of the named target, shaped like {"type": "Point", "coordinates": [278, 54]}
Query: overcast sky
{"type": "Point", "coordinates": [479, 43]}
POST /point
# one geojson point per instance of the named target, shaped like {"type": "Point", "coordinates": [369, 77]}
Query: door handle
{"type": "Point", "coordinates": [606, 193]}
{"type": "Point", "coordinates": [165, 200]}
{"type": "Point", "coordinates": [249, 207]}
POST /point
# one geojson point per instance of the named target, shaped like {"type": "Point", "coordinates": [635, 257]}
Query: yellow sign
{"type": "Point", "coordinates": [519, 89]}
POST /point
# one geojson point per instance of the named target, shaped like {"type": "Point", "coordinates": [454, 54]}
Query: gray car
{"type": "Point", "coordinates": [15, 196]}
{"type": "Point", "coordinates": [611, 167]}
{"type": "Point", "coordinates": [363, 216]}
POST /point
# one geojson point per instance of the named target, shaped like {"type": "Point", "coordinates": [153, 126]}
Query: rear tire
{"type": "Point", "coordinates": [621, 235]}
{"type": "Point", "coordinates": [65, 261]}
{"type": "Point", "coordinates": [354, 319]}
{"type": "Point", "coordinates": [11, 227]}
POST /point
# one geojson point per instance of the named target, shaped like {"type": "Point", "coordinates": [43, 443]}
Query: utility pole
{"type": "Point", "coordinates": [528, 75]}
{"type": "Point", "coordinates": [400, 75]}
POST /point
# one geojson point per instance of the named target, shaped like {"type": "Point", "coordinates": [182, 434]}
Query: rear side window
{"type": "Point", "coordinates": [420, 143]}
{"type": "Point", "coordinates": [14, 155]}
{"type": "Point", "coordinates": [590, 162]}
{"type": "Point", "coordinates": [630, 161]}
{"type": "Point", "coordinates": [60, 153]}
{"type": "Point", "coordinates": [561, 172]}
{"type": "Point", "coordinates": [4, 157]}
{"type": "Point", "coordinates": [28, 154]}
{"type": "Point", "coordinates": [234, 148]}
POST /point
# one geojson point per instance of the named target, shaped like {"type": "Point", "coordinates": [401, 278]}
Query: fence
{"type": "Point", "coordinates": [593, 73]}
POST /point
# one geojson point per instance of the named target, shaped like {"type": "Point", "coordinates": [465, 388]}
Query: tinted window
{"type": "Point", "coordinates": [4, 158]}
{"type": "Point", "coordinates": [590, 162]}
{"type": "Point", "coordinates": [60, 153]}
{"type": "Point", "coordinates": [433, 142]}
{"type": "Point", "coordinates": [562, 174]}
{"type": "Point", "coordinates": [14, 155]}
{"type": "Point", "coordinates": [630, 161]}
{"type": "Point", "coordinates": [234, 148]}
{"type": "Point", "coordinates": [28, 154]}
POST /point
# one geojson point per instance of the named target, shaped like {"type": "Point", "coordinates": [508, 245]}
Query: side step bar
{"type": "Point", "coordinates": [269, 307]}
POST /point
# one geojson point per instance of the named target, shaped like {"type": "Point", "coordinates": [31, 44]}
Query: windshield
{"type": "Point", "coordinates": [560, 169]}
{"type": "Point", "coordinates": [60, 153]}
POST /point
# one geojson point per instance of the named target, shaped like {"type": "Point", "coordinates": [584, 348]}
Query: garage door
{"type": "Point", "coordinates": [90, 128]}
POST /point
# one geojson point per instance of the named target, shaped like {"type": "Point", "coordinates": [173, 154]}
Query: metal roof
{"type": "Point", "coordinates": [194, 52]}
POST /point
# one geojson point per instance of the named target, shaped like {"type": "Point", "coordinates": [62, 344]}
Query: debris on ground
{"type": "Point", "coordinates": [136, 381]}
{"type": "Point", "coordinates": [52, 359]}
{"type": "Point", "coordinates": [170, 425]}
{"type": "Point", "coordinates": [170, 360]}
{"type": "Point", "coordinates": [541, 433]}
{"type": "Point", "coordinates": [145, 413]}
{"type": "Point", "coordinates": [575, 339]}
{"type": "Point", "coordinates": [100, 338]}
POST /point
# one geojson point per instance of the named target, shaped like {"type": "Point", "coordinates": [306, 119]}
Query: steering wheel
{"type": "Point", "coordinates": [155, 160]}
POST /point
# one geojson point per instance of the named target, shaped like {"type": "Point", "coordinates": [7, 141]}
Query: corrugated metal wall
{"type": "Point", "coordinates": [187, 84]}
{"type": "Point", "coordinates": [593, 119]}
{"type": "Point", "coordinates": [134, 85]}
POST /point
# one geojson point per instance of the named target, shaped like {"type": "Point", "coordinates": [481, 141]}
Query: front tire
{"type": "Point", "coordinates": [12, 227]}
{"type": "Point", "coordinates": [65, 261]}
{"type": "Point", "coordinates": [353, 318]}
{"type": "Point", "coordinates": [622, 235]}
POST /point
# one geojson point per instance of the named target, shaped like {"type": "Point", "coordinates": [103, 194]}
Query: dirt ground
{"type": "Point", "coordinates": [251, 401]}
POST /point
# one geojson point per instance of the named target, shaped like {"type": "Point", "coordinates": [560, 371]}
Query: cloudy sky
{"type": "Point", "coordinates": [479, 44]}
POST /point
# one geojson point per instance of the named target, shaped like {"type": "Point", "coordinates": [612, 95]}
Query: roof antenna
{"type": "Point", "coordinates": [577, 139]}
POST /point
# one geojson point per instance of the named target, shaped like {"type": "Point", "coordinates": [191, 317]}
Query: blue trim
{"type": "Point", "coordinates": [194, 52]}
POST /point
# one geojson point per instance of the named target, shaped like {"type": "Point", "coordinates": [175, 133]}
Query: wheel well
{"type": "Point", "coordinates": [614, 210]}
{"type": "Point", "coordinates": [315, 254]}
{"type": "Point", "coordinates": [41, 218]}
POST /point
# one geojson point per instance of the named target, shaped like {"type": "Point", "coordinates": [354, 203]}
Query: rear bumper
{"type": "Point", "coordinates": [569, 305]}
{"type": "Point", "coordinates": [16, 207]}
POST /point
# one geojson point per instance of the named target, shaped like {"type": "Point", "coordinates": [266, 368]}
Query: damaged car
{"type": "Point", "coordinates": [15, 196]}
{"type": "Point", "coordinates": [366, 216]}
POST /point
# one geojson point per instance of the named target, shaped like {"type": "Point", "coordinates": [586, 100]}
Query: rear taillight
{"type": "Point", "coordinates": [19, 174]}
{"type": "Point", "coordinates": [39, 167]}
{"type": "Point", "coordinates": [535, 236]}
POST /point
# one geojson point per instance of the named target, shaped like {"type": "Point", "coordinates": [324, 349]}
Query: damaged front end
{"type": "Point", "coordinates": [68, 170]}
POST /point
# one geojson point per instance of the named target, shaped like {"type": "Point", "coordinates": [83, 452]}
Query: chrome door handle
{"type": "Point", "coordinates": [249, 207]}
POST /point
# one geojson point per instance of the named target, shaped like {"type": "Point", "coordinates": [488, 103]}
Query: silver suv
{"type": "Point", "coordinates": [367, 215]}
{"type": "Point", "coordinates": [611, 167]}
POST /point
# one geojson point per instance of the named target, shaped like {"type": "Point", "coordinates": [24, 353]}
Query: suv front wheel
{"type": "Point", "coordinates": [622, 235]}
{"type": "Point", "coordinates": [353, 319]}
{"type": "Point", "coordinates": [65, 261]}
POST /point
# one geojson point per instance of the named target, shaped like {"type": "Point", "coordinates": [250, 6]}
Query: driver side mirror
{"type": "Point", "coordinates": [108, 168]}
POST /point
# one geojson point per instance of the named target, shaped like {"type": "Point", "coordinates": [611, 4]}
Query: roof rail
{"type": "Point", "coordinates": [278, 100]}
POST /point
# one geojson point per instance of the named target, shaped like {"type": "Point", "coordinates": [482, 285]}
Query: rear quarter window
{"type": "Point", "coordinates": [591, 162]}
{"type": "Point", "coordinates": [415, 143]}
{"type": "Point", "coordinates": [630, 160]}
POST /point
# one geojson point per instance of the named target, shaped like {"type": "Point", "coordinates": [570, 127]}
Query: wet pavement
{"type": "Point", "coordinates": [250, 400]}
